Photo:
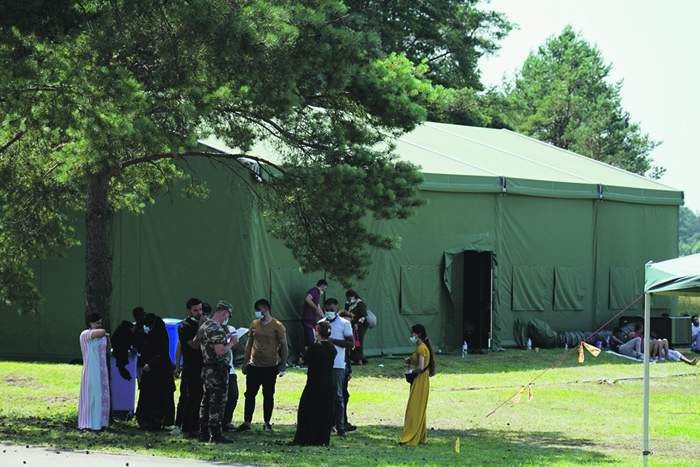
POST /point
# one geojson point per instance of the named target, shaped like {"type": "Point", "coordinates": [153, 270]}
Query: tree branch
{"type": "Point", "coordinates": [12, 141]}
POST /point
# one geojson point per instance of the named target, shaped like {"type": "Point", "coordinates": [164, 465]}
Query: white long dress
{"type": "Point", "coordinates": [93, 405]}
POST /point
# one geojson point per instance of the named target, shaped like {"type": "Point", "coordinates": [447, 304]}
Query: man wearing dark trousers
{"type": "Point", "coordinates": [191, 384]}
{"type": "Point", "coordinates": [261, 365]}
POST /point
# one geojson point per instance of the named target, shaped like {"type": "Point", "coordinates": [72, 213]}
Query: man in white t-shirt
{"type": "Point", "coordinates": [341, 337]}
{"type": "Point", "coordinates": [695, 334]}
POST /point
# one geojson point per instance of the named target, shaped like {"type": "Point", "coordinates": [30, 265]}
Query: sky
{"type": "Point", "coordinates": [652, 45]}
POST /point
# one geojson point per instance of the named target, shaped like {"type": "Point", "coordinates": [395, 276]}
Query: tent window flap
{"type": "Point", "coordinates": [420, 290]}
{"type": "Point", "coordinates": [530, 288]}
{"type": "Point", "coordinates": [568, 288]}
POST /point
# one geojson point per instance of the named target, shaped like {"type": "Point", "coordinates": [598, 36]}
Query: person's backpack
{"type": "Point", "coordinates": [371, 319]}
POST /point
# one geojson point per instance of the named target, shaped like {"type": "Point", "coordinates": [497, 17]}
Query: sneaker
{"type": "Point", "coordinates": [243, 428]}
{"type": "Point", "coordinates": [267, 428]}
{"type": "Point", "coordinates": [342, 434]}
{"type": "Point", "coordinates": [350, 427]}
{"type": "Point", "coordinates": [176, 431]}
{"type": "Point", "coordinates": [230, 427]}
{"type": "Point", "coordinates": [334, 429]}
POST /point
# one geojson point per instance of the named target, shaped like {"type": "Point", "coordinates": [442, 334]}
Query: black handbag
{"type": "Point", "coordinates": [412, 376]}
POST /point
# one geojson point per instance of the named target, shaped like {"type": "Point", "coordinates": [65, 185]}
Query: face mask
{"type": "Point", "coordinates": [225, 322]}
{"type": "Point", "coordinates": [259, 314]}
{"type": "Point", "coordinates": [147, 329]}
{"type": "Point", "coordinates": [352, 301]}
{"type": "Point", "coordinates": [413, 339]}
{"type": "Point", "coordinates": [193, 319]}
{"type": "Point", "coordinates": [330, 315]}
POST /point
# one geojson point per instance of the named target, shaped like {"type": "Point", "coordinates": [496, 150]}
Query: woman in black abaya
{"type": "Point", "coordinates": [156, 407]}
{"type": "Point", "coordinates": [315, 414]}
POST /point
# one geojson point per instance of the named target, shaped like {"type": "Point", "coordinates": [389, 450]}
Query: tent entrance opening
{"type": "Point", "coordinates": [478, 286]}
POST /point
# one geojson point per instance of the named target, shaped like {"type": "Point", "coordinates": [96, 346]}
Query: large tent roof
{"type": "Point", "coordinates": [453, 157]}
{"type": "Point", "coordinates": [459, 158]}
{"type": "Point", "coordinates": [679, 276]}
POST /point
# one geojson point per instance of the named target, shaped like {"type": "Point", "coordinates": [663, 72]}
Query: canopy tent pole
{"type": "Point", "coordinates": [647, 327]}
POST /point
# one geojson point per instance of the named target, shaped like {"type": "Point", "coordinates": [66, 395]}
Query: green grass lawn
{"type": "Point", "coordinates": [581, 414]}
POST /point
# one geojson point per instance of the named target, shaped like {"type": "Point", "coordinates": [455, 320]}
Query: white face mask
{"type": "Point", "coordinates": [330, 315]}
{"type": "Point", "coordinates": [259, 314]}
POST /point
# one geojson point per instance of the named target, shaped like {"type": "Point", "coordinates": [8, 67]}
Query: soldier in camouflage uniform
{"type": "Point", "coordinates": [217, 360]}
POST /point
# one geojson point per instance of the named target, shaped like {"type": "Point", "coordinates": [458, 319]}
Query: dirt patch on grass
{"type": "Point", "coordinates": [20, 381]}
{"type": "Point", "coordinates": [53, 399]}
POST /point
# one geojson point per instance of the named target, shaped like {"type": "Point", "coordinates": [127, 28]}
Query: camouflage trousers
{"type": "Point", "coordinates": [211, 412]}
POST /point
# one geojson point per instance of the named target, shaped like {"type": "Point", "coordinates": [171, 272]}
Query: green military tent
{"type": "Point", "coordinates": [514, 229]}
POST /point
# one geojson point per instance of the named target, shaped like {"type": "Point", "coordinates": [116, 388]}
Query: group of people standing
{"type": "Point", "coordinates": [356, 312]}
{"type": "Point", "coordinates": [149, 336]}
{"type": "Point", "coordinates": [334, 340]}
{"type": "Point", "coordinates": [209, 389]}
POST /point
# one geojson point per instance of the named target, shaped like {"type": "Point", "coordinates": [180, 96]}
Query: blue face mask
{"type": "Point", "coordinates": [259, 315]}
{"type": "Point", "coordinates": [413, 339]}
{"type": "Point", "coordinates": [225, 322]}
{"type": "Point", "coordinates": [330, 315]}
{"type": "Point", "coordinates": [147, 329]}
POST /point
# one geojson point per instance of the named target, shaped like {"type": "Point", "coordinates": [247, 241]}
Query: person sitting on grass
{"type": "Point", "coordinates": [655, 345]}
{"type": "Point", "coordinates": [630, 348]}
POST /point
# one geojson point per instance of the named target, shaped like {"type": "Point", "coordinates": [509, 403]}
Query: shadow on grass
{"type": "Point", "coordinates": [369, 445]}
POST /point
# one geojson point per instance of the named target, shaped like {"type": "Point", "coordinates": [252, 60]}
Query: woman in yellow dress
{"type": "Point", "coordinates": [415, 425]}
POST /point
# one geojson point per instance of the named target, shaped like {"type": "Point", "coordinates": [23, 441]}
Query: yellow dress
{"type": "Point", "coordinates": [415, 425]}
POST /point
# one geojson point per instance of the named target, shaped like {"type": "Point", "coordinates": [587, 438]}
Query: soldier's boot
{"type": "Point", "coordinates": [204, 434]}
{"type": "Point", "coordinates": [217, 437]}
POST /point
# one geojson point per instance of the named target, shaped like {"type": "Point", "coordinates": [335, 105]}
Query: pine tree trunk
{"type": "Point", "coordinates": [98, 260]}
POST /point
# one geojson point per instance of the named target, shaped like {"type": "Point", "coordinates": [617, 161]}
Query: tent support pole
{"type": "Point", "coordinates": [647, 332]}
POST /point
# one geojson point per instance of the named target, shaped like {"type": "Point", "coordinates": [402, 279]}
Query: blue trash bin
{"type": "Point", "coordinates": [123, 391]}
{"type": "Point", "coordinates": [171, 325]}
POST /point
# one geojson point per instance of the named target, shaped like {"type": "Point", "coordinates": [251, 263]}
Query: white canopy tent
{"type": "Point", "coordinates": [680, 276]}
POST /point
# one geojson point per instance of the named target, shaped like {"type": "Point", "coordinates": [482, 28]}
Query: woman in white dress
{"type": "Point", "coordinates": [93, 405]}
